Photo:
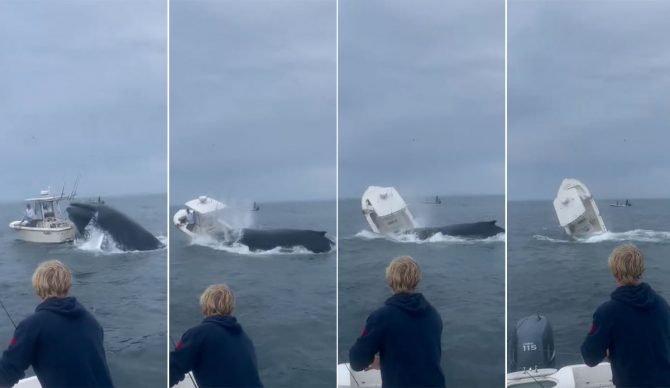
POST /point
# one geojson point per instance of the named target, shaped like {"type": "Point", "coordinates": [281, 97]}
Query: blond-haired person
{"type": "Point", "coordinates": [217, 351]}
{"type": "Point", "coordinates": [633, 326]}
{"type": "Point", "coordinates": [406, 332]}
{"type": "Point", "coordinates": [62, 341]}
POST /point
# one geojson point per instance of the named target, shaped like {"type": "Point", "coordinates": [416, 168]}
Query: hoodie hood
{"type": "Point", "coordinates": [228, 322]}
{"type": "Point", "coordinates": [640, 296]}
{"type": "Point", "coordinates": [414, 304]}
{"type": "Point", "coordinates": [67, 307]}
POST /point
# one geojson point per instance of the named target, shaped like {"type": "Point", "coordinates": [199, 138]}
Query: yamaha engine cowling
{"type": "Point", "coordinates": [532, 344]}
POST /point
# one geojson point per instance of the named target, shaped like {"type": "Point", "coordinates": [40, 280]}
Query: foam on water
{"type": "Point", "coordinates": [640, 235]}
{"type": "Point", "coordinates": [100, 242]}
{"type": "Point", "coordinates": [241, 249]}
{"type": "Point", "coordinates": [436, 238]}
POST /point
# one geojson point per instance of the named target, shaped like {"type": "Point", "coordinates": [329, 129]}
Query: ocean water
{"type": "Point", "coordinates": [567, 280]}
{"type": "Point", "coordinates": [126, 291]}
{"type": "Point", "coordinates": [285, 301]}
{"type": "Point", "coordinates": [463, 279]}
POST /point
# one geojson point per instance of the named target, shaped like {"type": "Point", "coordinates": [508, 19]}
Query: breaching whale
{"type": "Point", "coordinates": [126, 233]}
{"type": "Point", "coordinates": [204, 216]}
{"type": "Point", "coordinates": [482, 229]}
{"type": "Point", "coordinates": [267, 239]}
{"type": "Point", "coordinates": [387, 213]}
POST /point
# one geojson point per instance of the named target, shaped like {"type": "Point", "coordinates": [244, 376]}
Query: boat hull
{"type": "Point", "coordinates": [347, 377]}
{"type": "Point", "coordinates": [43, 235]}
{"type": "Point", "coordinates": [571, 376]}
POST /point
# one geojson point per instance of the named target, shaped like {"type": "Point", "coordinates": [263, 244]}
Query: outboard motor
{"type": "Point", "coordinates": [532, 344]}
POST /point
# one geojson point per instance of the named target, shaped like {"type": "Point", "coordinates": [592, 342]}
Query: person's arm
{"type": "Point", "coordinates": [362, 353]}
{"type": "Point", "coordinates": [19, 355]}
{"type": "Point", "coordinates": [597, 342]}
{"type": "Point", "coordinates": [183, 358]}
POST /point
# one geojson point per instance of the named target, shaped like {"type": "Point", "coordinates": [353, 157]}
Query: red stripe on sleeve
{"type": "Point", "coordinates": [180, 345]}
{"type": "Point", "coordinates": [12, 342]}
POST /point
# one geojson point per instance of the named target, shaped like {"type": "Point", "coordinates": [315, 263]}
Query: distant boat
{"type": "Point", "coordinates": [255, 207]}
{"type": "Point", "coordinates": [436, 201]}
{"type": "Point", "coordinates": [618, 204]}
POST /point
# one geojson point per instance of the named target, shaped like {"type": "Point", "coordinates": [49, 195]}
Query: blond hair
{"type": "Point", "coordinates": [217, 299]}
{"type": "Point", "coordinates": [403, 274]}
{"type": "Point", "coordinates": [627, 264]}
{"type": "Point", "coordinates": [52, 279]}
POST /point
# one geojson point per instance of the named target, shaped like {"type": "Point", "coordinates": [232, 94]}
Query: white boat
{"type": "Point", "coordinates": [385, 210]}
{"type": "Point", "coordinates": [571, 376]}
{"type": "Point", "coordinates": [188, 382]}
{"type": "Point", "coordinates": [48, 226]}
{"type": "Point", "coordinates": [28, 382]}
{"type": "Point", "coordinates": [206, 217]}
{"type": "Point", "coordinates": [347, 377]}
{"type": "Point", "coordinates": [577, 211]}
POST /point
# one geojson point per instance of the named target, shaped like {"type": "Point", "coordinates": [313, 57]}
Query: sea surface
{"type": "Point", "coordinates": [463, 279]}
{"type": "Point", "coordinates": [285, 301]}
{"type": "Point", "coordinates": [567, 280]}
{"type": "Point", "coordinates": [126, 291]}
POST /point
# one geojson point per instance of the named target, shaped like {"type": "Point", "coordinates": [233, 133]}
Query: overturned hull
{"type": "Point", "coordinates": [127, 234]}
{"type": "Point", "coordinates": [577, 211]}
{"type": "Point", "coordinates": [482, 229]}
{"type": "Point", "coordinates": [268, 239]}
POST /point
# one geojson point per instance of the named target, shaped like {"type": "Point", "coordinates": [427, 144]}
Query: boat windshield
{"type": "Point", "coordinates": [48, 210]}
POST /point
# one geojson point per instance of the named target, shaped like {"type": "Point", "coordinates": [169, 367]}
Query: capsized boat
{"type": "Point", "coordinates": [618, 204]}
{"type": "Point", "coordinates": [206, 217]}
{"type": "Point", "coordinates": [347, 377]}
{"type": "Point", "coordinates": [577, 211]}
{"type": "Point", "coordinates": [48, 226]}
{"type": "Point", "coordinates": [533, 356]}
{"type": "Point", "coordinates": [385, 211]}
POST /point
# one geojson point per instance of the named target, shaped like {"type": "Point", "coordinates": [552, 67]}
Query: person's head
{"type": "Point", "coordinates": [627, 264]}
{"type": "Point", "coordinates": [217, 300]}
{"type": "Point", "coordinates": [403, 274]}
{"type": "Point", "coordinates": [28, 206]}
{"type": "Point", "coordinates": [52, 279]}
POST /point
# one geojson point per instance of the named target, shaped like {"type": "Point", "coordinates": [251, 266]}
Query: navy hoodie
{"type": "Point", "coordinates": [64, 344]}
{"type": "Point", "coordinates": [406, 332]}
{"type": "Point", "coordinates": [218, 352]}
{"type": "Point", "coordinates": [635, 326]}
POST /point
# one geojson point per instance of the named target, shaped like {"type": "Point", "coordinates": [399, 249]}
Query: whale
{"type": "Point", "coordinates": [482, 229]}
{"type": "Point", "coordinates": [267, 239]}
{"type": "Point", "coordinates": [126, 233]}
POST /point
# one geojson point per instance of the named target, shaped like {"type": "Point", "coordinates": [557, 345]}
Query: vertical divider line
{"type": "Point", "coordinates": [167, 189]}
{"type": "Point", "coordinates": [337, 183]}
{"type": "Point", "coordinates": [506, 194]}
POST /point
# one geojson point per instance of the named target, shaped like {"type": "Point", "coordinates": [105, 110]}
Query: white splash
{"type": "Point", "coordinates": [640, 235]}
{"type": "Point", "coordinates": [97, 241]}
{"type": "Point", "coordinates": [436, 238]}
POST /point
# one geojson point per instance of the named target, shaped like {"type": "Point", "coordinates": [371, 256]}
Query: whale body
{"type": "Point", "coordinates": [126, 233]}
{"type": "Point", "coordinates": [267, 239]}
{"type": "Point", "coordinates": [482, 229]}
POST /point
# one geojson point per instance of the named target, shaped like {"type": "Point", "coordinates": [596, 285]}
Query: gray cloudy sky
{"type": "Point", "coordinates": [252, 104]}
{"type": "Point", "coordinates": [589, 92]}
{"type": "Point", "coordinates": [422, 96]}
{"type": "Point", "coordinates": [82, 90]}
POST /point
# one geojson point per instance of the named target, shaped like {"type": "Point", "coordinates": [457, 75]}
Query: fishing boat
{"type": "Point", "coordinates": [571, 376]}
{"type": "Point", "coordinates": [434, 201]}
{"type": "Point", "coordinates": [347, 377]}
{"type": "Point", "coordinates": [385, 210]}
{"type": "Point", "coordinates": [205, 216]}
{"type": "Point", "coordinates": [255, 207]}
{"type": "Point", "coordinates": [577, 211]}
{"type": "Point", "coordinates": [618, 204]}
{"type": "Point", "coordinates": [48, 226]}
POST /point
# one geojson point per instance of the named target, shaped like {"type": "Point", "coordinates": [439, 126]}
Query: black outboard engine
{"type": "Point", "coordinates": [532, 344]}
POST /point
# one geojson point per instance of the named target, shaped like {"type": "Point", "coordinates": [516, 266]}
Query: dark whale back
{"type": "Point", "coordinates": [127, 234]}
{"type": "Point", "coordinates": [482, 229]}
{"type": "Point", "coordinates": [267, 239]}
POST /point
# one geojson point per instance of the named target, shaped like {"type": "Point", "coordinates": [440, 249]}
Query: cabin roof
{"type": "Point", "coordinates": [204, 205]}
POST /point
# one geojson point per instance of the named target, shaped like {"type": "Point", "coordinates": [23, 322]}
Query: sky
{"type": "Point", "coordinates": [589, 88]}
{"type": "Point", "coordinates": [422, 96]}
{"type": "Point", "coordinates": [83, 92]}
{"type": "Point", "coordinates": [253, 100]}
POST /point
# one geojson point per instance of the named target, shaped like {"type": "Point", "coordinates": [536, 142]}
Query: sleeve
{"type": "Point", "coordinates": [362, 353]}
{"type": "Point", "coordinates": [19, 354]}
{"type": "Point", "coordinates": [184, 357]}
{"type": "Point", "coordinates": [594, 348]}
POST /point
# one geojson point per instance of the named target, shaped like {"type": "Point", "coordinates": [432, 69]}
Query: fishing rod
{"type": "Point", "coordinates": [7, 312]}
{"type": "Point", "coordinates": [190, 376]}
